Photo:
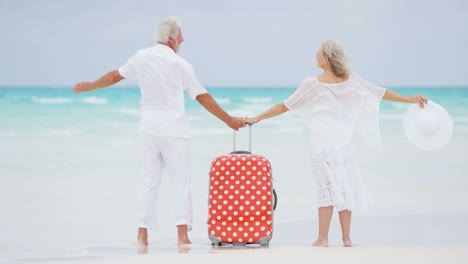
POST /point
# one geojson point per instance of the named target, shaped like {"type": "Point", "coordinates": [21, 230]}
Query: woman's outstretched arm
{"type": "Point", "coordinates": [275, 110]}
{"type": "Point", "coordinates": [390, 95]}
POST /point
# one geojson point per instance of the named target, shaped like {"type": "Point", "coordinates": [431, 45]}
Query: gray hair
{"type": "Point", "coordinates": [337, 57]}
{"type": "Point", "coordinates": [168, 28]}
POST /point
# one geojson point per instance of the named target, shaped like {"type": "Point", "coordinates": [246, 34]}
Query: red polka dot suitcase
{"type": "Point", "coordinates": [241, 199]}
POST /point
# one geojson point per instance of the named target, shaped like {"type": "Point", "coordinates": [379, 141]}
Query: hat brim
{"type": "Point", "coordinates": [418, 136]}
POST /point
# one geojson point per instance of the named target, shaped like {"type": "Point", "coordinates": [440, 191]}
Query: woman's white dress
{"type": "Point", "coordinates": [343, 124]}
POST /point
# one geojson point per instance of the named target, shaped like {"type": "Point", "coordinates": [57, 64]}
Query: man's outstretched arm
{"type": "Point", "coordinates": [209, 103]}
{"type": "Point", "coordinates": [106, 80]}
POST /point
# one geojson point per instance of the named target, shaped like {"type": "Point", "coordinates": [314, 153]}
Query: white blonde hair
{"type": "Point", "coordinates": [168, 28]}
{"type": "Point", "coordinates": [338, 58]}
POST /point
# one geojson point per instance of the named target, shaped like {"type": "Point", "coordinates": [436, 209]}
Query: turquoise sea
{"type": "Point", "coordinates": [70, 164]}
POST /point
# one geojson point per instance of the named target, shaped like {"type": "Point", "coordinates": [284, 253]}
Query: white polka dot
{"type": "Point", "coordinates": [262, 228]}
{"type": "Point", "coordinates": [213, 222]}
{"type": "Point", "coordinates": [252, 208]}
{"type": "Point", "coordinates": [227, 172]}
{"type": "Point", "coordinates": [217, 163]}
{"type": "Point", "coordinates": [216, 182]}
{"type": "Point", "coordinates": [251, 229]}
{"type": "Point", "coordinates": [243, 168]}
{"type": "Point", "coordinates": [246, 234]}
{"type": "Point", "coordinates": [247, 202]}
{"type": "Point", "coordinates": [228, 163]}
{"type": "Point", "coordinates": [234, 223]}
{"type": "Point", "coordinates": [222, 168]}
{"type": "Point", "coordinates": [256, 234]}
{"type": "Point", "coordinates": [212, 232]}
{"type": "Point", "coordinates": [229, 228]}
{"type": "Point", "coordinates": [219, 217]}
{"type": "Point", "coordinates": [224, 213]}
{"type": "Point", "coordinates": [263, 197]}
{"type": "Point", "coordinates": [240, 228]}
{"type": "Point", "coordinates": [247, 182]}
{"type": "Point", "coordinates": [233, 168]}
{"type": "Point", "coordinates": [213, 201]}
{"type": "Point", "coordinates": [236, 202]}
{"type": "Point", "coordinates": [249, 163]}
{"type": "Point", "coordinates": [230, 207]}
{"type": "Point", "coordinates": [246, 223]}
{"type": "Point", "coordinates": [223, 233]}
{"type": "Point", "coordinates": [254, 168]}
{"type": "Point", "coordinates": [213, 212]}
{"type": "Point", "coordinates": [242, 197]}
{"type": "Point", "coordinates": [231, 196]}
{"type": "Point", "coordinates": [241, 208]}
{"type": "Point", "coordinates": [218, 228]}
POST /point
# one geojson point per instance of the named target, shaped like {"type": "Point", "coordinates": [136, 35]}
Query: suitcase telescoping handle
{"type": "Point", "coordinates": [234, 151]}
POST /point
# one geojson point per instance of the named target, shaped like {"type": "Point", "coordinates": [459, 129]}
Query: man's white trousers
{"type": "Point", "coordinates": [162, 153]}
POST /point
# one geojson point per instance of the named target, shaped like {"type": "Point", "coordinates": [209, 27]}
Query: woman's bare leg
{"type": "Point", "coordinates": [325, 216]}
{"type": "Point", "coordinates": [345, 221]}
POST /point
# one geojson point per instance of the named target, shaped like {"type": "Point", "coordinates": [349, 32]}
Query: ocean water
{"type": "Point", "coordinates": [70, 165]}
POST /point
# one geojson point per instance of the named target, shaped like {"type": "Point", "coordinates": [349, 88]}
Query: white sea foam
{"type": "Point", "coordinates": [51, 100]}
{"type": "Point", "coordinates": [10, 133]}
{"type": "Point", "coordinates": [94, 100]}
{"type": "Point", "coordinates": [130, 111]}
{"type": "Point", "coordinates": [223, 101]}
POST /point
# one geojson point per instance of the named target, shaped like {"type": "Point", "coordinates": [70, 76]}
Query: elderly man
{"type": "Point", "coordinates": [163, 76]}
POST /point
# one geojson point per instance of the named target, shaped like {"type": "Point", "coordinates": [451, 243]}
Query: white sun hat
{"type": "Point", "coordinates": [428, 128]}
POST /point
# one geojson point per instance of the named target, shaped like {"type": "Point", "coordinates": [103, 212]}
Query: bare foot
{"type": "Point", "coordinates": [347, 242]}
{"type": "Point", "coordinates": [320, 243]}
{"type": "Point", "coordinates": [142, 236]}
{"type": "Point", "coordinates": [183, 241]}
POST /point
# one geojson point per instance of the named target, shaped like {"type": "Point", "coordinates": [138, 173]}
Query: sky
{"type": "Point", "coordinates": [243, 43]}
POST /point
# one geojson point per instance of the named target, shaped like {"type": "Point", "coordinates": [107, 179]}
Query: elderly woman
{"type": "Point", "coordinates": [341, 111]}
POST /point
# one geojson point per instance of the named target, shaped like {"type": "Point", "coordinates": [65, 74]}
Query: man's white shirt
{"type": "Point", "coordinates": [163, 76]}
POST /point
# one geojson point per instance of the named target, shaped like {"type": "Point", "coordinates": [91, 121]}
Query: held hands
{"type": "Point", "coordinates": [236, 123]}
{"type": "Point", "coordinates": [419, 99]}
{"type": "Point", "coordinates": [251, 120]}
